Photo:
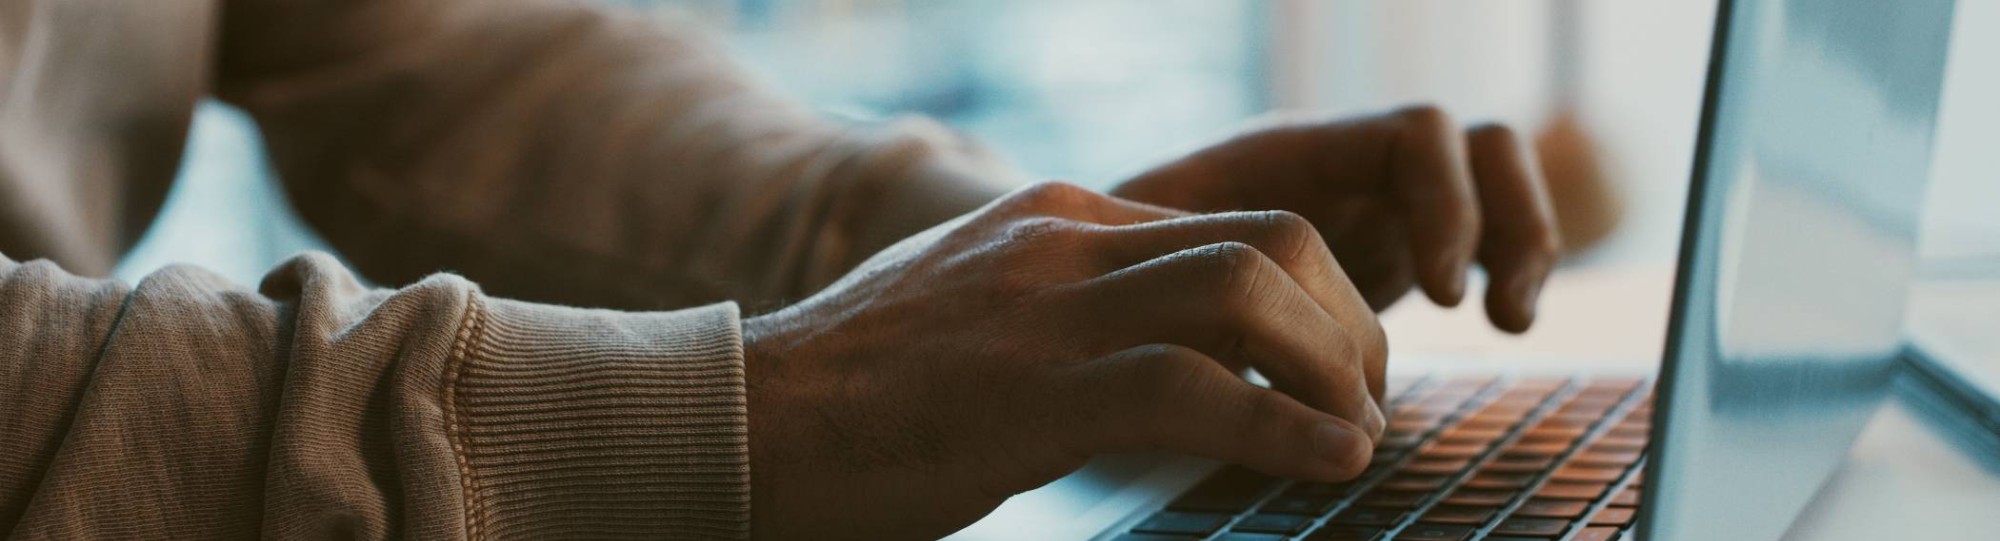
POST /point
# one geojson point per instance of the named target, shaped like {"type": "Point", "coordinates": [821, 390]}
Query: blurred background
{"type": "Point", "coordinates": [1091, 91]}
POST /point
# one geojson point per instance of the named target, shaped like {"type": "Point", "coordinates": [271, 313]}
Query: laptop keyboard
{"type": "Point", "coordinates": [1462, 459]}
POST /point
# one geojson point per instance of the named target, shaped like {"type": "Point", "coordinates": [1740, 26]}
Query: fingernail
{"type": "Point", "coordinates": [1454, 289]}
{"type": "Point", "coordinates": [1528, 292]}
{"type": "Point", "coordinates": [1377, 423]}
{"type": "Point", "coordinates": [1338, 445]}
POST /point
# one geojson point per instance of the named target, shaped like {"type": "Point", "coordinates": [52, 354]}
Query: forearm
{"type": "Point", "coordinates": [554, 152]}
{"type": "Point", "coordinates": [316, 407]}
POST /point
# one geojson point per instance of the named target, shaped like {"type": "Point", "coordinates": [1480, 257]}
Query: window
{"type": "Point", "coordinates": [1093, 90]}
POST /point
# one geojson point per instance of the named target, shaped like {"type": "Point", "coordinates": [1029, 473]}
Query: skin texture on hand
{"type": "Point", "coordinates": [1402, 198]}
{"type": "Point", "coordinates": [1001, 350]}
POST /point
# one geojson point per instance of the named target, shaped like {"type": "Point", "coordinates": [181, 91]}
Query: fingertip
{"type": "Point", "coordinates": [1446, 285]}
{"type": "Point", "coordinates": [1455, 284]}
{"type": "Point", "coordinates": [1515, 324]}
{"type": "Point", "coordinates": [1512, 309]}
{"type": "Point", "coordinates": [1342, 451]}
{"type": "Point", "coordinates": [1376, 423]}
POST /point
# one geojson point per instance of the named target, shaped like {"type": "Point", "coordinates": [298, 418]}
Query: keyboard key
{"type": "Point", "coordinates": [1500, 480]}
{"type": "Point", "coordinates": [1613, 516]}
{"type": "Point", "coordinates": [1519, 464]}
{"type": "Point", "coordinates": [1440, 450]}
{"type": "Point", "coordinates": [1541, 527]}
{"type": "Point", "coordinates": [1436, 466]}
{"type": "Point", "coordinates": [1435, 532]}
{"type": "Point", "coordinates": [1459, 514]}
{"type": "Point", "coordinates": [1527, 449]}
{"type": "Point", "coordinates": [1271, 523]}
{"type": "Point", "coordinates": [1400, 499]}
{"type": "Point", "coordinates": [1618, 445]}
{"type": "Point", "coordinates": [1547, 439]}
{"type": "Point", "coordinates": [1605, 459]}
{"type": "Point", "coordinates": [1586, 407]}
{"type": "Point", "coordinates": [1564, 490]}
{"type": "Point", "coordinates": [1480, 497]}
{"type": "Point", "coordinates": [1588, 474]}
{"type": "Point", "coordinates": [1464, 435]}
{"type": "Point", "coordinates": [1398, 441]}
{"type": "Point", "coordinates": [1622, 431]}
{"type": "Point", "coordinates": [1492, 421]}
{"type": "Point", "coordinates": [1597, 534]}
{"type": "Point", "coordinates": [1562, 432]}
{"type": "Point", "coordinates": [1538, 507]}
{"type": "Point", "coordinates": [1150, 537]}
{"type": "Point", "coordinates": [1178, 523]}
{"type": "Point", "coordinates": [1627, 498]}
{"type": "Point", "coordinates": [1324, 490]}
{"type": "Point", "coordinates": [1299, 505]}
{"type": "Point", "coordinates": [1346, 533]}
{"type": "Point", "coordinates": [1418, 483]}
{"type": "Point", "coordinates": [1571, 419]}
{"type": "Point", "coordinates": [1368, 516]}
{"type": "Point", "coordinates": [1244, 536]}
{"type": "Point", "coordinates": [1228, 491]}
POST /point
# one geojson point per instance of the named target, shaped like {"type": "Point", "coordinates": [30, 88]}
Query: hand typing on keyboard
{"type": "Point", "coordinates": [1001, 350]}
{"type": "Point", "coordinates": [1403, 197]}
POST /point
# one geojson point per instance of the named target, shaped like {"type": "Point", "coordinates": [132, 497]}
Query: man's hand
{"type": "Point", "coordinates": [1001, 350]}
{"type": "Point", "coordinates": [1402, 198]}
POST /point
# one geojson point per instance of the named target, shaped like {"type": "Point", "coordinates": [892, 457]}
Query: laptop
{"type": "Point", "coordinates": [1795, 262]}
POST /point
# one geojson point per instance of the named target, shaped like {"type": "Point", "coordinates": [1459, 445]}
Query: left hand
{"type": "Point", "coordinates": [1401, 198]}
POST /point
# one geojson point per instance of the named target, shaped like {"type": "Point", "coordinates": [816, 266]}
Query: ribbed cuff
{"type": "Point", "coordinates": [576, 423]}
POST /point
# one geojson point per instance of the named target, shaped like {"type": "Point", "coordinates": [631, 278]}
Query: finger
{"type": "Point", "coordinates": [1168, 397]}
{"type": "Point", "coordinates": [1073, 202]}
{"type": "Point", "coordinates": [1286, 238]}
{"type": "Point", "coordinates": [1434, 186]}
{"type": "Point", "coordinates": [1519, 242]}
{"type": "Point", "coordinates": [1231, 302]}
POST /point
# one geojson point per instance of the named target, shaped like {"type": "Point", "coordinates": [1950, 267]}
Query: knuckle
{"type": "Point", "coordinates": [1501, 134]}
{"type": "Point", "coordinates": [1374, 344]}
{"type": "Point", "coordinates": [1050, 195]}
{"type": "Point", "coordinates": [1265, 407]}
{"type": "Point", "coordinates": [1232, 268]}
{"type": "Point", "coordinates": [1289, 235]}
{"type": "Point", "coordinates": [1032, 255]}
{"type": "Point", "coordinates": [1546, 246]}
{"type": "Point", "coordinates": [1428, 119]}
{"type": "Point", "coordinates": [1039, 229]}
{"type": "Point", "coordinates": [1171, 372]}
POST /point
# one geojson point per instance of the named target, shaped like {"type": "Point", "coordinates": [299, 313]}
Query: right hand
{"type": "Point", "coordinates": [1001, 350]}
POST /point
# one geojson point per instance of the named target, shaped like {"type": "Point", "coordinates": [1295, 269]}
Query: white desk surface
{"type": "Point", "coordinates": [1901, 480]}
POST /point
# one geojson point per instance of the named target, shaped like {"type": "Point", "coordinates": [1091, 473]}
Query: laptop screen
{"type": "Point", "coordinates": [1796, 258]}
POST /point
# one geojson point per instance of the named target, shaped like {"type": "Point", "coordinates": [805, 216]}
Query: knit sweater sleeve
{"type": "Point", "coordinates": [569, 152]}
{"type": "Point", "coordinates": [315, 407]}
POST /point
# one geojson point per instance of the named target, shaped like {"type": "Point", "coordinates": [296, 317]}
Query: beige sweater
{"type": "Point", "coordinates": [547, 151]}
